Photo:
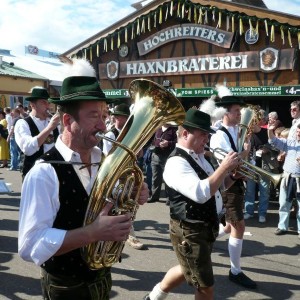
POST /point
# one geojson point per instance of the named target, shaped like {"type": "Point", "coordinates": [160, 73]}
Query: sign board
{"type": "Point", "coordinates": [34, 50]}
{"type": "Point", "coordinates": [245, 91]}
{"type": "Point", "coordinates": [282, 59]}
{"type": "Point", "coordinates": [204, 33]}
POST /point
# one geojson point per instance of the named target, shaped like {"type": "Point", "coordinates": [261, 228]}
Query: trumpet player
{"type": "Point", "coordinates": [226, 138]}
{"type": "Point", "coordinates": [37, 133]}
{"type": "Point", "coordinates": [195, 202]}
{"type": "Point", "coordinates": [290, 183]}
{"type": "Point", "coordinates": [55, 194]}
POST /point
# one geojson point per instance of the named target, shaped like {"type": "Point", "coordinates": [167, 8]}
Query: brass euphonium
{"type": "Point", "coordinates": [119, 173]}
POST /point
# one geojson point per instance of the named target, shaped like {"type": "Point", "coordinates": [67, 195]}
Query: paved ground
{"type": "Point", "coordinates": [274, 262]}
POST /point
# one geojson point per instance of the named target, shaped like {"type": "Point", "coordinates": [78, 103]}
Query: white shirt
{"type": "Point", "coordinates": [220, 139]}
{"type": "Point", "coordinates": [9, 120]}
{"type": "Point", "coordinates": [38, 241]}
{"type": "Point", "coordinates": [180, 176]}
{"type": "Point", "coordinates": [28, 143]}
{"type": "Point", "coordinates": [293, 129]}
{"type": "Point", "coordinates": [106, 144]}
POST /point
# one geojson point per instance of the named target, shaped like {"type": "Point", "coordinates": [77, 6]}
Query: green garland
{"type": "Point", "coordinates": [184, 9]}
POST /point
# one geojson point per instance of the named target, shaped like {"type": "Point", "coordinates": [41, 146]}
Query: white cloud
{"type": "Point", "coordinates": [56, 25]}
{"type": "Point", "coordinates": [287, 6]}
{"type": "Point", "coordinates": [59, 25]}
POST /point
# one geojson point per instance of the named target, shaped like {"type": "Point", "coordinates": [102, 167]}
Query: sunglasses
{"type": "Point", "coordinates": [294, 109]}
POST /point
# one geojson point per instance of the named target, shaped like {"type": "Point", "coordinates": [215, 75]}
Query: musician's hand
{"type": "Point", "coordinates": [54, 121]}
{"type": "Point", "coordinates": [247, 145]}
{"type": "Point", "coordinates": [110, 228]}
{"type": "Point", "coordinates": [144, 195]}
{"type": "Point", "coordinates": [231, 161]}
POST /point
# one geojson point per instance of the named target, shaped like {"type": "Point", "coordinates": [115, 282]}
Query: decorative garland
{"type": "Point", "coordinates": [186, 9]}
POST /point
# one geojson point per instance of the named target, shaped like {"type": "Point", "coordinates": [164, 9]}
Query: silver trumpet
{"type": "Point", "coordinates": [247, 169]}
{"type": "Point", "coordinates": [50, 115]}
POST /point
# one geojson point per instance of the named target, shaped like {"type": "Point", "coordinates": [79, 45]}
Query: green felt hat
{"type": "Point", "coordinates": [197, 119]}
{"type": "Point", "coordinates": [121, 110]}
{"type": "Point", "coordinates": [80, 88]}
{"type": "Point", "coordinates": [230, 100]}
{"type": "Point", "coordinates": [38, 93]}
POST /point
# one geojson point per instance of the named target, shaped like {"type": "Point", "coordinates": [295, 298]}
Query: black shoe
{"type": "Point", "coordinates": [146, 297]}
{"type": "Point", "coordinates": [242, 280]}
{"type": "Point", "coordinates": [280, 231]}
{"type": "Point", "coordinates": [151, 200]}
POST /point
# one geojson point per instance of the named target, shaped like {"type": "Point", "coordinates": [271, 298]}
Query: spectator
{"type": "Point", "coordinates": [164, 142]}
{"type": "Point", "coordinates": [290, 183]}
{"type": "Point", "coordinates": [4, 149]}
{"type": "Point", "coordinates": [8, 117]}
{"type": "Point", "coordinates": [273, 120]}
{"type": "Point", "coordinates": [295, 114]}
{"type": "Point", "coordinates": [15, 152]}
{"type": "Point", "coordinates": [23, 114]}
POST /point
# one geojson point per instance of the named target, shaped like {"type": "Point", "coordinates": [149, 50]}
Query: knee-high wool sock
{"type": "Point", "coordinates": [157, 293]}
{"type": "Point", "coordinates": [235, 251]}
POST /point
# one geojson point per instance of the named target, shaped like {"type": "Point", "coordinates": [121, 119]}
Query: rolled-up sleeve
{"type": "Point", "coordinates": [38, 241]}
{"type": "Point", "coordinates": [27, 143]}
{"type": "Point", "coordinates": [179, 176]}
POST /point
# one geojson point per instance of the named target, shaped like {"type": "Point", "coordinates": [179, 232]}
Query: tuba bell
{"type": "Point", "coordinates": [250, 116]}
{"type": "Point", "coordinates": [119, 173]}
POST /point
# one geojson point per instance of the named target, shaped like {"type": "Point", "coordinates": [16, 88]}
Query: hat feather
{"type": "Point", "coordinates": [209, 106]}
{"type": "Point", "coordinates": [79, 67]}
{"type": "Point", "coordinates": [36, 87]}
{"type": "Point", "coordinates": [223, 91]}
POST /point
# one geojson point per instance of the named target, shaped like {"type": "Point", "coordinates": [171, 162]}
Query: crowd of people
{"type": "Point", "coordinates": [61, 155]}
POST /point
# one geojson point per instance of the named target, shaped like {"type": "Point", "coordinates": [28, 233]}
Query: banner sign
{"type": "Point", "coordinates": [267, 60]}
{"type": "Point", "coordinates": [245, 91]}
{"type": "Point", "coordinates": [204, 33]}
{"type": "Point", "coordinates": [117, 93]}
{"type": "Point", "coordinates": [33, 50]}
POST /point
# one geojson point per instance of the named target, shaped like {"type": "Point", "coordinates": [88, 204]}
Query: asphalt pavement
{"type": "Point", "coordinates": [273, 261]}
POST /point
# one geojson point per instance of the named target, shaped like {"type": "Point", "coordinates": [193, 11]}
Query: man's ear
{"type": "Point", "coordinates": [67, 120]}
{"type": "Point", "coordinates": [185, 133]}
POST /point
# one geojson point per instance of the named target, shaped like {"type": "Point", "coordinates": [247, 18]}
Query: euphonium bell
{"type": "Point", "coordinates": [119, 174]}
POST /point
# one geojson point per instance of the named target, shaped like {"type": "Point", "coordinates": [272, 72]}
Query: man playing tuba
{"type": "Point", "coordinates": [55, 198]}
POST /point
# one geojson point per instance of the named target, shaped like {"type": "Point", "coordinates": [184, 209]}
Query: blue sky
{"type": "Point", "coordinates": [59, 25]}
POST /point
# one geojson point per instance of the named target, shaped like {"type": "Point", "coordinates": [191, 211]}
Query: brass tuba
{"type": "Point", "coordinates": [119, 173]}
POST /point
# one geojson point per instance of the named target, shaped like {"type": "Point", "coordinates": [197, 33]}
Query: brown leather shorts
{"type": "Point", "coordinates": [233, 200]}
{"type": "Point", "coordinates": [62, 288]}
{"type": "Point", "coordinates": [193, 244]}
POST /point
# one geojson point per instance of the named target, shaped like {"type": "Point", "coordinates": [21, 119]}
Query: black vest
{"type": "Point", "coordinates": [30, 160]}
{"type": "Point", "coordinates": [73, 200]}
{"type": "Point", "coordinates": [238, 185]}
{"type": "Point", "coordinates": [182, 208]}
